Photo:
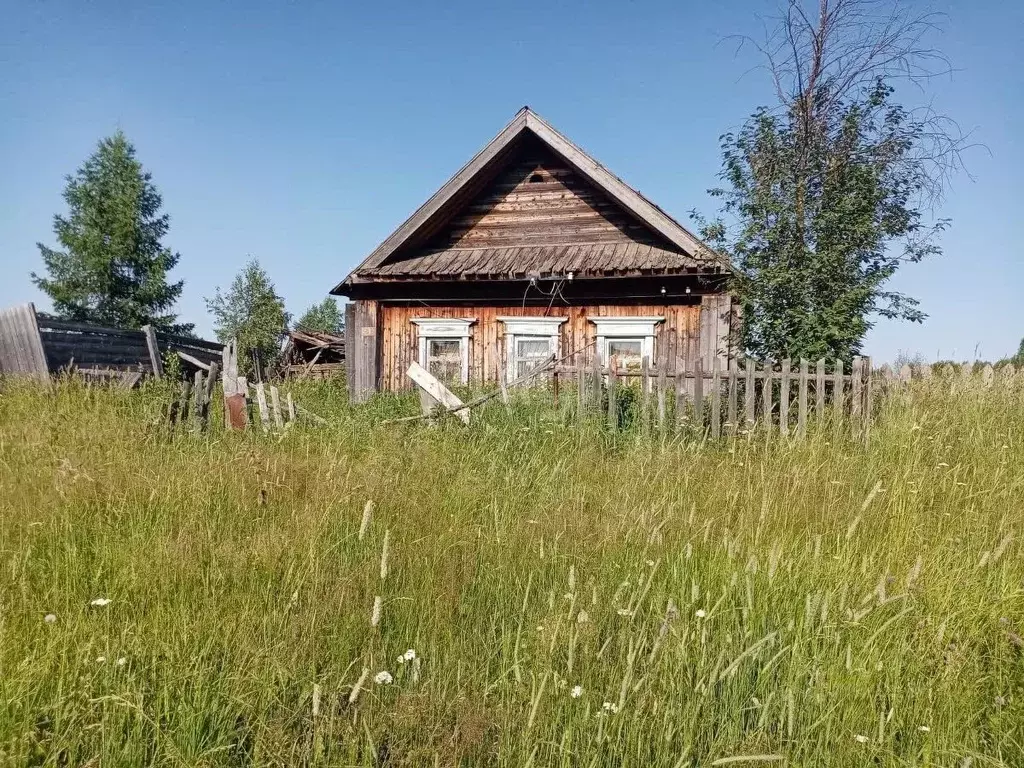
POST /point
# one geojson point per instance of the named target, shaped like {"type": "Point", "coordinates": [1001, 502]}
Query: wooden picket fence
{"type": "Point", "coordinates": [731, 398]}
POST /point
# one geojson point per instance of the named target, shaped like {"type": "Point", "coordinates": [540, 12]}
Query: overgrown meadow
{"type": "Point", "coordinates": [522, 592]}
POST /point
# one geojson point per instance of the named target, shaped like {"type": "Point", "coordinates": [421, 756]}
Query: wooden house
{"type": "Point", "coordinates": [533, 248]}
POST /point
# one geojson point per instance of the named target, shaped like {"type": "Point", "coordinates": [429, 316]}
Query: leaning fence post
{"type": "Point", "coordinates": [801, 413]}
{"type": "Point", "coordinates": [261, 401]}
{"type": "Point", "coordinates": [154, 351]}
{"type": "Point", "coordinates": [275, 406]}
{"type": "Point", "coordinates": [291, 407]}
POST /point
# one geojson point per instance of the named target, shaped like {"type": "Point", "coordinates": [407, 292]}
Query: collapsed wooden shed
{"type": "Point", "coordinates": [33, 344]}
{"type": "Point", "coordinates": [314, 354]}
{"type": "Point", "coordinates": [533, 248]}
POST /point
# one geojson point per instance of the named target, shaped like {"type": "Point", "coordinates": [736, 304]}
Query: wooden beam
{"type": "Point", "coordinates": [154, 351]}
{"type": "Point", "coordinates": [429, 383]}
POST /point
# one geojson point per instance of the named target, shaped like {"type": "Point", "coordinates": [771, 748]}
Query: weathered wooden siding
{"type": "Point", "coordinates": [21, 352]}
{"type": "Point", "coordinates": [539, 200]}
{"type": "Point", "coordinates": [362, 349]}
{"type": "Point", "coordinates": [679, 336]}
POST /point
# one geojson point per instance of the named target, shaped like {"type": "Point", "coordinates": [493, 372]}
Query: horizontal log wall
{"type": "Point", "coordinates": [678, 337]}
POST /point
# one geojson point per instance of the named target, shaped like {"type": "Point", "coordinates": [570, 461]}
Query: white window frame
{"type": "Point", "coordinates": [626, 329]}
{"type": "Point", "coordinates": [445, 328]}
{"type": "Point", "coordinates": [529, 327]}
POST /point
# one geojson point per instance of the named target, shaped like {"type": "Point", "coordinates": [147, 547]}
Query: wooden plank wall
{"type": "Point", "coordinates": [21, 351]}
{"type": "Point", "coordinates": [90, 346]}
{"type": "Point", "coordinates": [715, 323]}
{"type": "Point", "coordinates": [678, 336]}
{"type": "Point", "coordinates": [362, 348]}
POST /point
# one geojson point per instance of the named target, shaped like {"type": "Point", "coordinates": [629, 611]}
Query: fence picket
{"type": "Point", "coordinates": [680, 385]}
{"type": "Point", "coordinates": [867, 399]}
{"type": "Point", "coordinates": [749, 394]}
{"type": "Point", "coordinates": [662, 387]}
{"type": "Point", "coordinates": [819, 390]}
{"type": "Point", "coordinates": [856, 383]}
{"type": "Point", "coordinates": [198, 389]}
{"type": "Point", "coordinates": [767, 394]}
{"type": "Point", "coordinates": [733, 396]}
{"type": "Point", "coordinates": [784, 397]}
{"type": "Point", "coordinates": [645, 391]}
{"type": "Point", "coordinates": [716, 398]}
{"type": "Point", "coordinates": [801, 411]}
{"type": "Point", "coordinates": [698, 394]}
{"type": "Point", "coordinates": [838, 395]}
{"type": "Point", "coordinates": [275, 407]}
{"type": "Point", "coordinates": [261, 401]}
{"type": "Point", "coordinates": [613, 406]}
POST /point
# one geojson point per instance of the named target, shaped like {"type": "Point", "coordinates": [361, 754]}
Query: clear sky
{"type": "Point", "coordinates": [304, 133]}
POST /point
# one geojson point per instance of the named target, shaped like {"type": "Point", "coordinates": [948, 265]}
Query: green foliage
{"type": "Point", "coordinates": [251, 312]}
{"type": "Point", "coordinates": [825, 216]}
{"type": "Point", "coordinates": [325, 316]}
{"type": "Point", "coordinates": [829, 604]}
{"type": "Point", "coordinates": [113, 269]}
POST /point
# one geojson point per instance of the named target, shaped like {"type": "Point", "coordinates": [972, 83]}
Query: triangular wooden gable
{"type": "Point", "coordinates": [532, 186]}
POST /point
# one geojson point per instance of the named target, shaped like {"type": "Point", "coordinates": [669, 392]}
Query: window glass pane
{"type": "Point", "coordinates": [444, 359]}
{"type": "Point", "coordinates": [625, 348]}
{"type": "Point", "coordinates": [533, 346]}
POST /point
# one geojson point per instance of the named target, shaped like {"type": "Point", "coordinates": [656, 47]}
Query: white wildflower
{"type": "Point", "coordinates": [624, 612]}
{"type": "Point", "coordinates": [383, 678]}
{"type": "Point", "coordinates": [121, 661]}
{"type": "Point", "coordinates": [409, 655]}
{"type": "Point", "coordinates": [100, 659]}
{"type": "Point", "coordinates": [50, 618]}
{"type": "Point", "coordinates": [610, 707]}
{"type": "Point", "coordinates": [860, 739]}
{"type": "Point", "coordinates": [923, 728]}
{"type": "Point", "coordinates": [650, 563]}
{"type": "Point", "coordinates": [701, 613]}
{"type": "Point", "coordinates": [100, 602]}
{"type": "Point", "coordinates": [576, 692]}
{"type": "Point", "coordinates": [582, 617]}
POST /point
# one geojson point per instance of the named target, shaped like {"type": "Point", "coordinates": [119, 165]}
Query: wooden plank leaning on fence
{"type": "Point", "coordinates": [235, 388]}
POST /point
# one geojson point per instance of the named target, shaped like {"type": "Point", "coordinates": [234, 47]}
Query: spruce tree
{"type": "Point", "coordinates": [112, 268]}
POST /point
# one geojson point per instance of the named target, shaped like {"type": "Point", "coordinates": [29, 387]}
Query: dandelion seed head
{"type": "Point", "coordinates": [383, 678]}
{"type": "Point", "coordinates": [701, 613]}
{"type": "Point", "coordinates": [50, 618]}
{"type": "Point", "coordinates": [576, 692]}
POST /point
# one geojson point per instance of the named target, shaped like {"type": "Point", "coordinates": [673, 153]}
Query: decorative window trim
{"type": "Point", "coordinates": [642, 328]}
{"type": "Point", "coordinates": [445, 328]}
{"type": "Point", "coordinates": [518, 327]}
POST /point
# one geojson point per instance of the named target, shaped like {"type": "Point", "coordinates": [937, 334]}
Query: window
{"type": "Point", "coordinates": [628, 339]}
{"type": "Point", "coordinates": [444, 348]}
{"type": "Point", "coordinates": [529, 341]}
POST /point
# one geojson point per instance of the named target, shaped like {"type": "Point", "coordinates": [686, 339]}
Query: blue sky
{"type": "Point", "coordinates": [303, 133]}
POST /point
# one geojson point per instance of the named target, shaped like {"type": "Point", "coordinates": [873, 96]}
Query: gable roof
{"type": "Point", "coordinates": [679, 251]}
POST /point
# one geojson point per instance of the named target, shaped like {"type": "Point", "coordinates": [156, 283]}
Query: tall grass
{"type": "Point", "coordinates": [572, 598]}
